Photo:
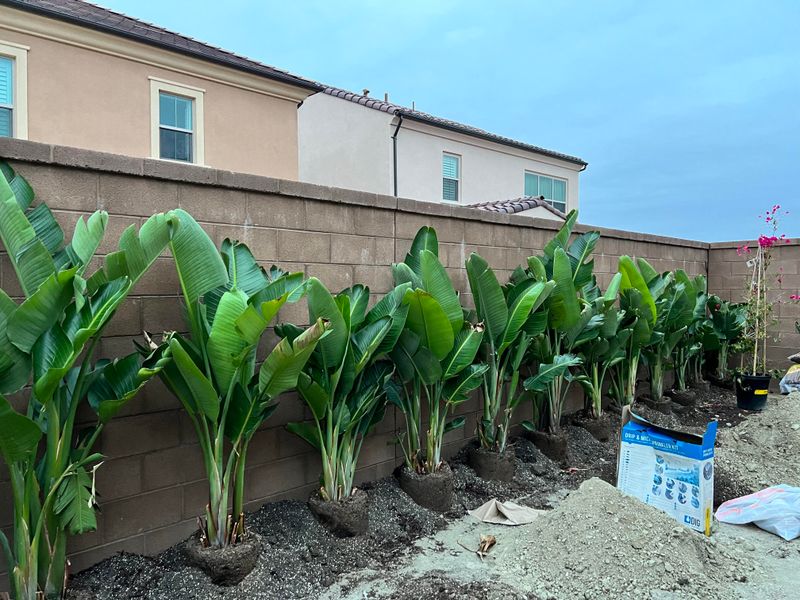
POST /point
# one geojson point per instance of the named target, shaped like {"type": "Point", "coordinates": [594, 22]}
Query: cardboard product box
{"type": "Point", "coordinates": [668, 469]}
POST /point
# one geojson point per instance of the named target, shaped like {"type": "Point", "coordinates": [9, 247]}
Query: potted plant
{"type": "Point", "coordinates": [344, 385]}
{"type": "Point", "coordinates": [727, 325]}
{"type": "Point", "coordinates": [47, 355]}
{"type": "Point", "coordinates": [688, 351]}
{"type": "Point", "coordinates": [230, 301]}
{"type": "Point", "coordinates": [753, 377]}
{"type": "Point", "coordinates": [434, 358]}
{"type": "Point", "coordinates": [571, 322]}
{"type": "Point", "coordinates": [506, 314]}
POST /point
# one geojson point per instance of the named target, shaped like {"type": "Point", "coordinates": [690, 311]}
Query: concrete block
{"type": "Point", "coordinates": [175, 171]}
{"type": "Point", "coordinates": [172, 466]}
{"type": "Point", "coordinates": [329, 217]}
{"type": "Point", "coordinates": [267, 210]}
{"type": "Point", "coordinates": [159, 540]}
{"type": "Point", "coordinates": [25, 150]}
{"type": "Point", "coordinates": [137, 196]}
{"type": "Point", "coordinates": [63, 188]}
{"type": "Point", "coordinates": [119, 478]}
{"type": "Point", "coordinates": [100, 161]}
{"type": "Point", "coordinates": [301, 246]}
{"type": "Point", "coordinates": [335, 277]}
{"type": "Point", "coordinates": [140, 434]}
{"type": "Point", "coordinates": [145, 512]}
{"type": "Point", "coordinates": [213, 204]}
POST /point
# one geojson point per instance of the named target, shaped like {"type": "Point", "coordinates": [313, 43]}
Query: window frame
{"type": "Point", "coordinates": [157, 86]}
{"type": "Point", "coordinates": [550, 201]}
{"type": "Point", "coordinates": [457, 179]}
{"type": "Point", "coordinates": [19, 80]}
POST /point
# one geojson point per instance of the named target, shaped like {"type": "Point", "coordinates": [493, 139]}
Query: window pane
{"type": "Point", "coordinates": [166, 109]}
{"type": "Point", "coordinates": [559, 190]}
{"type": "Point", "coordinates": [6, 81]}
{"type": "Point", "coordinates": [562, 206]}
{"type": "Point", "coordinates": [176, 145]}
{"type": "Point", "coordinates": [531, 184]}
{"type": "Point", "coordinates": [546, 187]}
{"type": "Point", "coordinates": [175, 111]}
{"type": "Point", "coordinates": [450, 190]}
{"type": "Point", "coordinates": [450, 166]}
{"type": "Point", "coordinates": [5, 122]}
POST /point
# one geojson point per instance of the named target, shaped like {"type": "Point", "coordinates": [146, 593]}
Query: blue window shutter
{"type": "Point", "coordinates": [6, 83]}
{"type": "Point", "coordinates": [449, 166]}
{"type": "Point", "coordinates": [531, 184]}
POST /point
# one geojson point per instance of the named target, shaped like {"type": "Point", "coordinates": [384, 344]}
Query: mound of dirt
{"type": "Point", "coordinates": [599, 543]}
{"type": "Point", "coordinates": [760, 452]}
{"type": "Point", "coordinates": [437, 585]}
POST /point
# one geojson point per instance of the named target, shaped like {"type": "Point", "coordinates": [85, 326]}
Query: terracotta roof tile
{"type": "Point", "coordinates": [517, 205]}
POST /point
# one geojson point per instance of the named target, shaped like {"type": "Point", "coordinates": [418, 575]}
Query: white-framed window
{"type": "Point", "coordinates": [553, 189]}
{"type": "Point", "coordinates": [451, 177]}
{"type": "Point", "coordinates": [176, 122]}
{"type": "Point", "coordinates": [13, 90]}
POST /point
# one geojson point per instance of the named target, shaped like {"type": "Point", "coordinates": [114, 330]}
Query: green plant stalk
{"type": "Point", "coordinates": [597, 391]}
{"type": "Point", "coordinates": [656, 367]}
{"type": "Point", "coordinates": [681, 368]}
{"type": "Point", "coordinates": [722, 361]}
{"type": "Point", "coordinates": [628, 374]}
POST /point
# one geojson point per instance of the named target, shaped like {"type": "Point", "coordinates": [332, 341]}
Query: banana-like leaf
{"type": "Point", "coordinates": [359, 300]}
{"type": "Point", "coordinates": [648, 272]}
{"type": "Point", "coordinates": [632, 279]}
{"type": "Point", "coordinates": [74, 503]}
{"type": "Point", "coordinates": [199, 264]}
{"type": "Point", "coordinates": [402, 274]}
{"type": "Point", "coordinates": [321, 305]}
{"type": "Point", "coordinates": [537, 268]}
{"type": "Point", "coordinates": [428, 321]}
{"type": "Point", "coordinates": [282, 367]}
{"type": "Point", "coordinates": [425, 239]}
{"type": "Point", "coordinates": [526, 303]}
{"type": "Point", "coordinates": [391, 305]}
{"type": "Point", "coordinates": [225, 343]}
{"type": "Point", "coordinates": [490, 302]}
{"type": "Point", "coordinates": [457, 390]}
{"type": "Point", "coordinates": [549, 372]}
{"type": "Point", "coordinates": [19, 436]}
{"type": "Point", "coordinates": [367, 340]}
{"type": "Point", "coordinates": [41, 310]}
{"type": "Point", "coordinates": [436, 282]}
{"type": "Point", "coordinates": [86, 239]}
{"type": "Point", "coordinates": [308, 432]}
{"type": "Point", "coordinates": [466, 346]}
{"type": "Point", "coordinates": [15, 365]}
{"type": "Point", "coordinates": [564, 308]}
{"type": "Point", "coordinates": [580, 250]}
{"type": "Point", "coordinates": [29, 256]}
{"type": "Point", "coordinates": [47, 229]}
{"type": "Point", "coordinates": [561, 239]}
{"type": "Point", "coordinates": [454, 424]}
{"type": "Point", "coordinates": [23, 192]}
{"type": "Point", "coordinates": [203, 392]}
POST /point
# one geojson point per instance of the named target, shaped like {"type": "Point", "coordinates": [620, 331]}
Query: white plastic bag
{"type": "Point", "coordinates": [775, 509]}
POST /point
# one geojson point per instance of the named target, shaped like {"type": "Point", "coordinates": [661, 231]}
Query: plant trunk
{"type": "Point", "coordinates": [630, 380]}
{"type": "Point", "coordinates": [722, 361]}
{"type": "Point", "coordinates": [656, 379]}
{"type": "Point", "coordinates": [597, 392]}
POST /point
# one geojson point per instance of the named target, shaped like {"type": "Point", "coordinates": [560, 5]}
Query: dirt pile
{"type": "Point", "coordinates": [760, 452]}
{"type": "Point", "coordinates": [438, 586]}
{"type": "Point", "coordinates": [600, 544]}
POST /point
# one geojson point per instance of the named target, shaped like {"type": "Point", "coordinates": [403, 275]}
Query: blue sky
{"type": "Point", "coordinates": [687, 112]}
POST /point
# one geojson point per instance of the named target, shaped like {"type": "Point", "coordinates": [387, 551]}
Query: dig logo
{"type": "Point", "coordinates": [692, 521]}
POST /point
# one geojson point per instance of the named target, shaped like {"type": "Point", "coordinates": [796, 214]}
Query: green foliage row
{"type": "Point", "coordinates": [417, 349]}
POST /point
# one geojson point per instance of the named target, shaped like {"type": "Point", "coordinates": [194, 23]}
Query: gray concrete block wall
{"type": "Point", "coordinates": [152, 487]}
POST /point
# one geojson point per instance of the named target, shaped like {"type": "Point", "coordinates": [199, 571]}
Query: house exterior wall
{"type": "Point", "coordinates": [343, 144]}
{"type": "Point", "coordinates": [151, 485]}
{"type": "Point", "coordinates": [92, 90]}
{"type": "Point", "coordinates": [489, 171]}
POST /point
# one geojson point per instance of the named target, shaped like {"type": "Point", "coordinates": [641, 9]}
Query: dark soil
{"type": "Point", "coordinates": [345, 518]}
{"type": "Point", "coordinates": [554, 445]}
{"type": "Point", "coordinates": [225, 566]}
{"type": "Point", "coordinates": [491, 465]}
{"type": "Point", "coordinates": [302, 557]}
{"type": "Point", "coordinates": [431, 490]}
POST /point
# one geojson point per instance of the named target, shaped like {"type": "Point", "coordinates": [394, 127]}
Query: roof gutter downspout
{"type": "Point", "coordinates": [394, 150]}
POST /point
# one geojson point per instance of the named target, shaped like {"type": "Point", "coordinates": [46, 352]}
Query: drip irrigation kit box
{"type": "Point", "coordinates": [668, 469]}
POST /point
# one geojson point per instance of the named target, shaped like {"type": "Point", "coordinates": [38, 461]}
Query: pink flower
{"type": "Point", "coordinates": [794, 297]}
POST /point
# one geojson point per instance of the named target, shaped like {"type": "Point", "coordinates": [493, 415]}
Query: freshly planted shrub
{"type": "Point", "coordinates": [230, 301]}
{"type": "Point", "coordinates": [434, 354]}
{"type": "Point", "coordinates": [728, 320]}
{"type": "Point", "coordinates": [687, 356]}
{"type": "Point", "coordinates": [571, 318]}
{"type": "Point", "coordinates": [510, 320]}
{"type": "Point", "coordinates": [344, 380]}
{"type": "Point", "coordinates": [48, 341]}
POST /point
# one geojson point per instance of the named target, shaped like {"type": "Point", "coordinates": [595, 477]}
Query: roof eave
{"type": "Point", "coordinates": [288, 79]}
{"type": "Point", "coordinates": [490, 138]}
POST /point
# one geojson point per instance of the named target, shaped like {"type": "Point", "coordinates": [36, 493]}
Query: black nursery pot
{"type": "Point", "coordinates": [751, 391]}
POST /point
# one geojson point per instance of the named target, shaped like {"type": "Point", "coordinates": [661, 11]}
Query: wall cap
{"type": "Point", "coordinates": [65, 156]}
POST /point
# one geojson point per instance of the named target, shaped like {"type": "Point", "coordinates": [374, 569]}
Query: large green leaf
{"type": "Point", "coordinates": [424, 240]}
{"type": "Point", "coordinates": [359, 300]}
{"type": "Point", "coordinates": [391, 305]}
{"type": "Point", "coordinates": [367, 340]}
{"type": "Point", "coordinates": [580, 250]}
{"type": "Point", "coordinates": [317, 397]}
{"type": "Point", "coordinates": [547, 373]}
{"type": "Point", "coordinates": [225, 343]}
{"type": "Point", "coordinates": [428, 321]}
{"type": "Point", "coordinates": [322, 305]}
{"type": "Point", "coordinates": [200, 267]}
{"type": "Point", "coordinates": [203, 392]}
{"type": "Point", "coordinates": [75, 504]}
{"type": "Point", "coordinates": [632, 279]}
{"type": "Point", "coordinates": [564, 308]}
{"type": "Point", "coordinates": [41, 310]}
{"type": "Point", "coordinates": [465, 348]}
{"type": "Point", "coordinates": [488, 295]}
{"type": "Point", "coordinates": [561, 239]}
{"type": "Point", "coordinates": [457, 390]}
{"type": "Point", "coordinates": [19, 436]}
{"type": "Point", "coordinates": [528, 301]}
{"type": "Point", "coordinates": [21, 189]}
{"type": "Point", "coordinates": [280, 370]}
{"type": "Point", "coordinates": [86, 238]}
{"type": "Point", "coordinates": [308, 432]}
{"type": "Point", "coordinates": [436, 282]}
{"type": "Point", "coordinates": [15, 365]}
{"type": "Point", "coordinates": [29, 256]}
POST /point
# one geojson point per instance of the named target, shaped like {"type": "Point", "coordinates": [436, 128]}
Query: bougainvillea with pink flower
{"type": "Point", "coordinates": [759, 298]}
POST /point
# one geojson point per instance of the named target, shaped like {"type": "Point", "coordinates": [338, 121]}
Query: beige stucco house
{"type": "Point", "coordinates": [75, 74]}
{"type": "Point", "coordinates": [355, 141]}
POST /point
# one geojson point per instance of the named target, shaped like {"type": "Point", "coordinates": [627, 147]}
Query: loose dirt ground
{"type": "Point", "coordinates": [593, 543]}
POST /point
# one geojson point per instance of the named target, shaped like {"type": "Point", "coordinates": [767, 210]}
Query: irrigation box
{"type": "Point", "coordinates": [668, 469]}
